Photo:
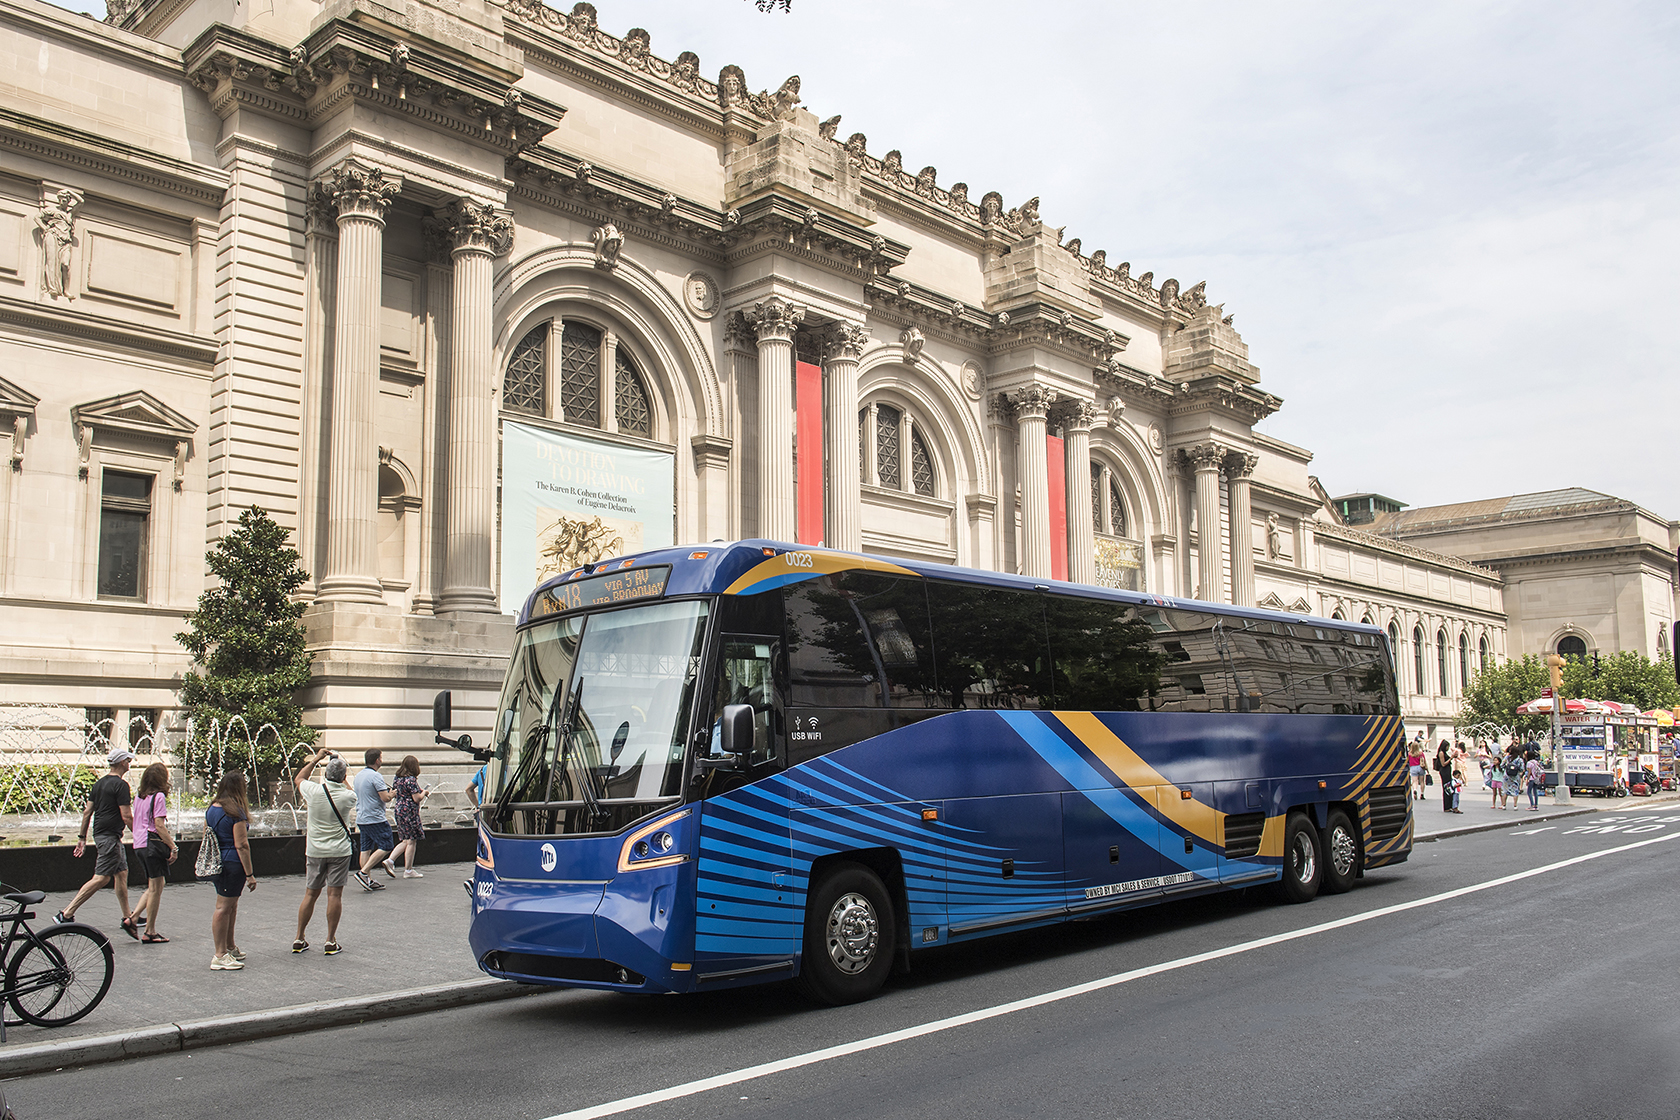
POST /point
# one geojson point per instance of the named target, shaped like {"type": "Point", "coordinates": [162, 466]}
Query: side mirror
{"type": "Point", "coordinates": [441, 715]}
{"type": "Point", "coordinates": [442, 718]}
{"type": "Point", "coordinates": [735, 737]}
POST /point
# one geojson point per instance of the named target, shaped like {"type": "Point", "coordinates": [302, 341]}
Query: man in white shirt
{"type": "Point", "coordinates": [327, 848]}
{"type": "Point", "coordinates": [372, 792]}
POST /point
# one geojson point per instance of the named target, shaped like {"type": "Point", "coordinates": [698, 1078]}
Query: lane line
{"type": "Point", "coordinates": [829, 1053]}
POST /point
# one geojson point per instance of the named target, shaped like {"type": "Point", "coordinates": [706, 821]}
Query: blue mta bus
{"type": "Point", "coordinates": [726, 764]}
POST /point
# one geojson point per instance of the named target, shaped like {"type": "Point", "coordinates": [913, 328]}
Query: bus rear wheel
{"type": "Point", "coordinates": [850, 936]}
{"type": "Point", "coordinates": [1340, 844]}
{"type": "Point", "coordinates": [1303, 863]}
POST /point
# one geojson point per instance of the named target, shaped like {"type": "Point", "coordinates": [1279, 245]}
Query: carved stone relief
{"type": "Point", "coordinates": [608, 243]}
{"type": "Point", "coordinates": [701, 294]}
{"type": "Point", "coordinates": [973, 382]}
{"type": "Point", "coordinates": [57, 223]}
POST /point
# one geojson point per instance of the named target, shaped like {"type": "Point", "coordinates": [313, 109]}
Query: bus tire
{"type": "Point", "coordinates": [1303, 861]}
{"type": "Point", "coordinates": [1340, 845]}
{"type": "Point", "coordinates": [850, 936]}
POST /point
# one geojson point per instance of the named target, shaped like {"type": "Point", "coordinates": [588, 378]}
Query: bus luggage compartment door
{"type": "Point", "coordinates": [1189, 837]}
{"type": "Point", "coordinates": [1003, 858]}
{"type": "Point", "coordinates": [1112, 848]}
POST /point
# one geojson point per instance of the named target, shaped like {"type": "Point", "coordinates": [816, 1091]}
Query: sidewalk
{"type": "Point", "coordinates": [1432, 823]}
{"type": "Point", "coordinates": [411, 935]}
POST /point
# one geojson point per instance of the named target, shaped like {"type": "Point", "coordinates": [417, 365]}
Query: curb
{"type": "Point", "coordinates": [170, 1038]}
{"type": "Point", "coordinates": [1472, 829]}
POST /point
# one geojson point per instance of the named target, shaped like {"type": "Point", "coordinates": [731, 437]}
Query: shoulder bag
{"type": "Point", "coordinates": [327, 793]}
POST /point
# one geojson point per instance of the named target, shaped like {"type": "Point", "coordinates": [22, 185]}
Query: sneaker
{"type": "Point", "coordinates": [332, 948]}
{"type": "Point", "coordinates": [60, 919]}
{"type": "Point", "coordinates": [373, 886]}
{"type": "Point", "coordinates": [236, 953]}
{"type": "Point", "coordinates": [367, 884]}
{"type": "Point", "coordinates": [299, 946]}
{"type": "Point", "coordinates": [226, 963]}
{"type": "Point", "coordinates": [390, 868]}
{"type": "Point", "coordinates": [413, 874]}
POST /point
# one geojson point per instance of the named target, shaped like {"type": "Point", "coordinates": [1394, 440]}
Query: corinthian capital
{"type": "Point", "coordinates": [359, 192]}
{"type": "Point", "coordinates": [844, 342]}
{"type": "Point", "coordinates": [776, 318]}
{"type": "Point", "coordinates": [1240, 464]}
{"type": "Point", "coordinates": [471, 226]}
{"type": "Point", "coordinates": [1032, 402]}
{"type": "Point", "coordinates": [1204, 456]}
{"type": "Point", "coordinates": [1077, 415]}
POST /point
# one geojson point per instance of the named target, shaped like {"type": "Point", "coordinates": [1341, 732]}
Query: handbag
{"type": "Point", "coordinates": [208, 865]}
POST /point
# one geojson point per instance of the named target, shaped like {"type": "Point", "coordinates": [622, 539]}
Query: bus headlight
{"type": "Point", "coordinates": [652, 845]}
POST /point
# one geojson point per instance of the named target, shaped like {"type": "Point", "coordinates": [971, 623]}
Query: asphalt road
{"type": "Point", "coordinates": [1550, 995]}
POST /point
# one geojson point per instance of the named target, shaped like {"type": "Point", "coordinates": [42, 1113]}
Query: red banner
{"type": "Point", "coordinates": [1056, 460]}
{"type": "Point", "coordinates": [808, 461]}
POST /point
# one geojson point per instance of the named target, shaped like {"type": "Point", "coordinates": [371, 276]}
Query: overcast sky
{"type": "Point", "coordinates": [1447, 231]}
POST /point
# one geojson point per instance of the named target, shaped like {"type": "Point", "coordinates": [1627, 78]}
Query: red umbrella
{"type": "Point", "coordinates": [1543, 706]}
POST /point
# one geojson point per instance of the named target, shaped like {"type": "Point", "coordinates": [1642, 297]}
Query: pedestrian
{"type": "Point", "coordinates": [475, 787]}
{"type": "Point", "coordinates": [406, 799]}
{"type": "Point", "coordinates": [372, 791]}
{"type": "Point", "coordinates": [153, 845]}
{"type": "Point", "coordinates": [1458, 790]}
{"type": "Point", "coordinates": [1414, 764]}
{"type": "Point", "coordinates": [1516, 772]}
{"type": "Point", "coordinates": [225, 825]}
{"type": "Point", "coordinates": [327, 847]}
{"type": "Point", "coordinates": [109, 807]}
{"type": "Point", "coordinates": [1536, 781]}
{"type": "Point", "coordinates": [1496, 780]}
{"type": "Point", "coordinates": [1443, 769]}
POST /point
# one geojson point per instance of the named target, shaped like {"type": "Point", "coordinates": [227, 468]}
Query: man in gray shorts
{"type": "Point", "coordinates": [327, 848]}
{"type": "Point", "coordinates": [110, 808]}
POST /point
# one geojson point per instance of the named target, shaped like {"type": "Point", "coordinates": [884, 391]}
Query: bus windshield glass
{"type": "Point", "coordinates": [622, 682]}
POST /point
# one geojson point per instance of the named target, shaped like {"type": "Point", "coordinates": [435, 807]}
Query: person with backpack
{"type": "Point", "coordinates": [109, 807]}
{"type": "Point", "coordinates": [1515, 771]}
{"type": "Point", "coordinates": [327, 846]}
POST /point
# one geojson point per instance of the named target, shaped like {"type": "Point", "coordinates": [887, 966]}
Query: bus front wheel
{"type": "Point", "coordinates": [1303, 863]}
{"type": "Point", "coordinates": [1340, 844]}
{"type": "Point", "coordinates": [850, 936]}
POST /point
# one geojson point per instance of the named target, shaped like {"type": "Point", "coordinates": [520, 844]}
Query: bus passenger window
{"type": "Point", "coordinates": [1105, 658]}
{"type": "Point", "coordinates": [991, 646]}
{"type": "Point", "coordinates": [831, 663]}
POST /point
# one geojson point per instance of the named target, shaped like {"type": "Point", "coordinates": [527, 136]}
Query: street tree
{"type": "Point", "coordinates": [247, 644]}
{"type": "Point", "coordinates": [1628, 677]}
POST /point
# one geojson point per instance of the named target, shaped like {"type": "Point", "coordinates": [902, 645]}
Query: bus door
{"type": "Point", "coordinates": [1189, 837]}
{"type": "Point", "coordinates": [1111, 840]}
{"type": "Point", "coordinates": [1003, 859]}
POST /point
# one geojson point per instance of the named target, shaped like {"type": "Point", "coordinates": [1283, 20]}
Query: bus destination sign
{"type": "Point", "coordinates": [602, 591]}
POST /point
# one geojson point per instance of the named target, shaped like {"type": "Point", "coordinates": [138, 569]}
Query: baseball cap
{"type": "Point", "coordinates": [119, 754]}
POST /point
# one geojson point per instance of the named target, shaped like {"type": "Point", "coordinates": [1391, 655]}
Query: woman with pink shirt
{"type": "Point", "coordinates": [153, 844]}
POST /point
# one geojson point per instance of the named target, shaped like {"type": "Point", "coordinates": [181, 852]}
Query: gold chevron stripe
{"type": "Point", "coordinates": [1190, 815]}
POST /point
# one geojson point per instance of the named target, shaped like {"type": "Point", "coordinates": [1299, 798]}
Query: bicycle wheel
{"type": "Point", "coordinates": [60, 975]}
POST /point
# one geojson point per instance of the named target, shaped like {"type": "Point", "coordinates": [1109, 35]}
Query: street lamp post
{"type": "Point", "coordinates": [1555, 664]}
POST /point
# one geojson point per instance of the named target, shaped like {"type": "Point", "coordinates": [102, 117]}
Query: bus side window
{"type": "Point", "coordinates": [991, 646]}
{"type": "Point", "coordinates": [1106, 659]}
{"type": "Point", "coordinates": [831, 663]}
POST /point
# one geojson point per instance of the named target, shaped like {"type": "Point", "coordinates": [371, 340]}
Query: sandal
{"type": "Point", "coordinates": [130, 928]}
{"type": "Point", "coordinates": [154, 939]}
{"type": "Point", "coordinates": [299, 946]}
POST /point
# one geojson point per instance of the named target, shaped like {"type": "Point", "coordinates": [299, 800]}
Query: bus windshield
{"type": "Point", "coordinates": [623, 682]}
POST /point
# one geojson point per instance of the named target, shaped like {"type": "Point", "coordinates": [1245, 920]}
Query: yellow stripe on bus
{"type": "Point", "coordinates": [801, 563]}
{"type": "Point", "coordinates": [1191, 815]}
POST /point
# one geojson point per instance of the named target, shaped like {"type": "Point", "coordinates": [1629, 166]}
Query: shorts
{"type": "Point", "coordinates": [1417, 771]}
{"type": "Point", "coordinates": [325, 871]}
{"type": "Point", "coordinates": [376, 837]}
{"type": "Point", "coordinates": [154, 858]}
{"type": "Point", "coordinates": [113, 859]}
{"type": "Point", "coordinates": [231, 881]}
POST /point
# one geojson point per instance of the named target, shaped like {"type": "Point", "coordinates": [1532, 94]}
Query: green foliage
{"type": "Point", "coordinates": [247, 643]}
{"type": "Point", "coordinates": [40, 788]}
{"type": "Point", "coordinates": [1628, 677]}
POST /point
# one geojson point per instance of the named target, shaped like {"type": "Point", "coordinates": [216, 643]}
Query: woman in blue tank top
{"type": "Point", "coordinates": [225, 821]}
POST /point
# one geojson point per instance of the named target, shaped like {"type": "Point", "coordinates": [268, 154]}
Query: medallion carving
{"type": "Point", "coordinates": [701, 294]}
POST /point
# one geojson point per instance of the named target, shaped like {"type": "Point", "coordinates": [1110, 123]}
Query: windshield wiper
{"type": "Point", "coordinates": [592, 806]}
{"type": "Point", "coordinates": [540, 734]}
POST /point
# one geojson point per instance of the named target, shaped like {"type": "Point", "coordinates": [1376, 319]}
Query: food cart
{"type": "Point", "coordinates": [1603, 751]}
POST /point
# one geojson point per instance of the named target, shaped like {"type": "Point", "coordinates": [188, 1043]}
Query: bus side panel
{"type": "Point", "coordinates": [748, 909]}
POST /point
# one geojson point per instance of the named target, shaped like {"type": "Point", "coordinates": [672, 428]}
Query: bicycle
{"type": "Point", "coordinates": [57, 975]}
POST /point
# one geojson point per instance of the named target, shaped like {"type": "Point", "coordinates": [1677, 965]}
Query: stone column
{"type": "Point", "coordinates": [477, 234]}
{"type": "Point", "coordinates": [1032, 407]}
{"type": "Point", "coordinates": [1238, 466]}
{"type": "Point", "coordinates": [775, 320]}
{"type": "Point", "coordinates": [1205, 459]}
{"type": "Point", "coordinates": [844, 507]}
{"type": "Point", "coordinates": [1082, 563]}
{"type": "Point", "coordinates": [361, 196]}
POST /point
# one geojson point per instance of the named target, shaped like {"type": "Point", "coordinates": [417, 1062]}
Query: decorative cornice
{"type": "Point", "coordinates": [137, 412]}
{"type": "Point", "coordinates": [1401, 548]}
{"type": "Point", "coordinates": [1222, 394]}
{"type": "Point", "coordinates": [59, 322]}
{"type": "Point", "coordinates": [112, 159]}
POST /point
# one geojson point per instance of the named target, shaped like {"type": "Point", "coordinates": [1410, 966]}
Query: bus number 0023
{"type": "Point", "coordinates": [797, 559]}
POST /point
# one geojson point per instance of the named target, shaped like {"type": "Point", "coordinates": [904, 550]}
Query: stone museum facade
{"type": "Point", "coordinates": [464, 293]}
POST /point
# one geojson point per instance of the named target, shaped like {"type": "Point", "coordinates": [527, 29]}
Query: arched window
{"type": "Point", "coordinates": [1571, 645]}
{"type": "Point", "coordinates": [1394, 647]}
{"type": "Point", "coordinates": [1108, 517]}
{"type": "Point", "coordinates": [585, 395]}
{"type": "Point", "coordinates": [1463, 661]}
{"type": "Point", "coordinates": [901, 459]}
{"type": "Point", "coordinates": [1337, 615]}
{"type": "Point", "coordinates": [1418, 662]}
{"type": "Point", "coordinates": [1441, 661]}
{"type": "Point", "coordinates": [1484, 645]}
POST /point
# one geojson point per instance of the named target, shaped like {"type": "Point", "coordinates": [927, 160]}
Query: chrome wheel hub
{"type": "Point", "coordinates": [1343, 851]}
{"type": "Point", "coordinates": [854, 933]}
{"type": "Point", "coordinates": [1302, 862]}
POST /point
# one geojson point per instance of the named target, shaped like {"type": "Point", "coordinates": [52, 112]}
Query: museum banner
{"type": "Point", "coordinates": [568, 500]}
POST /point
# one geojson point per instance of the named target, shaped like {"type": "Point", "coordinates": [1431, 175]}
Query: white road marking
{"type": "Point", "coordinates": [875, 1042]}
{"type": "Point", "coordinates": [1532, 831]}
